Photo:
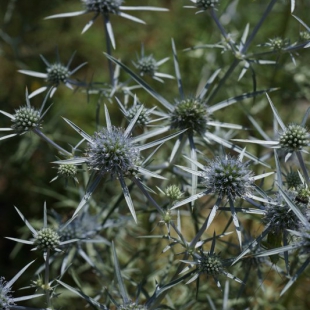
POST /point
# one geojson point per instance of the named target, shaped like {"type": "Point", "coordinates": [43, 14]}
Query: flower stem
{"type": "Point", "coordinates": [38, 132]}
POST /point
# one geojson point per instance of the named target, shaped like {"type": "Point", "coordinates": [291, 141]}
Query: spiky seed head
{"type": "Point", "coordinates": [25, 119]}
{"type": "Point", "coordinates": [173, 192]}
{"type": "Point", "coordinates": [190, 114]}
{"type": "Point", "coordinates": [6, 300]}
{"type": "Point", "coordinates": [228, 176]}
{"type": "Point", "coordinates": [57, 73]}
{"type": "Point", "coordinates": [280, 216]}
{"type": "Point", "coordinates": [147, 65]}
{"type": "Point", "coordinates": [67, 170]}
{"type": "Point", "coordinates": [70, 232]}
{"type": "Point", "coordinates": [206, 4]}
{"type": "Point", "coordinates": [293, 180]}
{"type": "Point", "coordinates": [294, 138]}
{"type": "Point", "coordinates": [103, 6]}
{"type": "Point", "coordinates": [143, 118]}
{"type": "Point", "coordinates": [210, 264]}
{"type": "Point", "coordinates": [132, 306]}
{"type": "Point", "coordinates": [47, 238]}
{"type": "Point", "coordinates": [112, 152]}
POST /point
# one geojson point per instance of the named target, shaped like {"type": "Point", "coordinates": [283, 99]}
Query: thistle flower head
{"type": "Point", "coordinates": [191, 114]}
{"type": "Point", "coordinates": [210, 264]}
{"type": "Point", "coordinates": [6, 299]}
{"type": "Point", "coordinates": [47, 238]}
{"type": "Point", "coordinates": [304, 35]}
{"type": "Point", "coordinates": [303, 195]}
{"type": "Point", "coordinates": [280, 216]}
{"type": "Point", "coordinates": [25, 119]}
{"type": "Point", "coordinates": [277, 44]}
{"type": "Point", "coordinates": [147, 65]}
{"type": "Point", "coordinates": [228, 176]}
{"type": "Point", "coordinates": [67, 170]}
{"type": "Point", "coordinates": [103, 6]}
{"type": "Point", "coordinates": [294, 138]}
{"type": "Point", "coordinates": [206, 4]}
{"type": "Point", "coordinates": [144, 116]}
{"type": "Point", "coordinates": [173, 192]}
{"type": "Point", "coordinates": [57, 73]}
{"type": "Point", "coordinates": [112, 152]}
{"type": "Point", "coordinates": [132, 306]}
{"type": "Point", "coordinates": [293, 180]}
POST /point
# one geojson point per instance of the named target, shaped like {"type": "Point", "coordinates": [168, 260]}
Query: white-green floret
{"type": "Point", "coordinates": [25, 119]}
{"type": "Point", "coordinates": [47, 238]}
{"type": "Point", "coordinates": [294, 138]}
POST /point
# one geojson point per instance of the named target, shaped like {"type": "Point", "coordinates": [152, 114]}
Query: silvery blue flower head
{"type": "Point", "coordinates": [148, 65]}
{"type": "Point", "coordinates": [45, 239]}
{"type": "Point", "coordinates": [105, 8]}
{"type": "Point", "coordinates": [56, 74]}
{"type": "Point", "coordinates": [25, 119]}
{"type": "Point", "coordinates": [7, 301]}
{"type": "Point", "coordinates": [203, 5]}
{"type": "Point", "coordinates": [228, 176]}
{"type": "Point", "coordinates": [112, 151]}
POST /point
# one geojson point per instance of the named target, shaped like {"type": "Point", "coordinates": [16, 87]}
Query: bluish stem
{"type": "Point", "coordinates": [38, 132]}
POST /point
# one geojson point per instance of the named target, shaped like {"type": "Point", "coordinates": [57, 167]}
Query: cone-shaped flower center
{"type": "Point", "coordinates": [111, 151]}
{"type": "Point", "coordinates": [47, 238]}
{"type": "Point", "coordinates": [25, 119]}
{"type": "Point", "coordinates": [228, 177]}
{"type": "Point", "coordinates": [294, 138]}
{"type": "Point", "coordinates": [211, 264]}
{"type": "Point", "coordinates": [57, 73]}
{"type": "Point", "coordinates": [103, 6]}
{"type": "Point", "coordinates": [190, 114]}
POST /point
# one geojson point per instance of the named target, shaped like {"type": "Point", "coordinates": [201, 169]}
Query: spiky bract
{"type": "Point", "coordinates": [228, 176]}
{"type": "Point", "coordinates": [47, 238]}
{"type": "Point", "coordinates": [294, 138]}
{"type": "Point", "coordinates": [25, 119]}
{"type": "Point", "coordinates": [112, 152]}
{"type": "Point", "coordinates": [6, 300]}
{"type": "Point", "coordinates": [190, 114]}
{"type": "Point", "coordinates": [103, 6]}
